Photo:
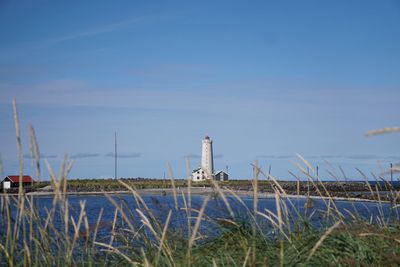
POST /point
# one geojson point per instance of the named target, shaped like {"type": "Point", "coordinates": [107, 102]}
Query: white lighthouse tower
{"type": "Point", "coordinates": [207, 162]}
{"type": "Point", "coordinates": [206, 169]}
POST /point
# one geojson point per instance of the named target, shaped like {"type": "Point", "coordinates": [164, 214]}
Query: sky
{"type": "Point", "coordinates": [264, 79]}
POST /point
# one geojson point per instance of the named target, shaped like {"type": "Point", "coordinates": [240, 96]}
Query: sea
{"type": "Point", "coordinates": [216, 212]}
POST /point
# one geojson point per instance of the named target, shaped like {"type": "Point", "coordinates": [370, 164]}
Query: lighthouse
{"type": "Point", "coordinates": [206, 169]}
{"type": "Point", "coordinates": [207, 162]}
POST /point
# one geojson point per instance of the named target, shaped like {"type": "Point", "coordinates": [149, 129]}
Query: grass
{"type": "Point", "coordinates": [136, 236]}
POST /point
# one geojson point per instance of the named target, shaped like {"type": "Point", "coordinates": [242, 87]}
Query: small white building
{"type": "Point", "coordinates": [198, 175]}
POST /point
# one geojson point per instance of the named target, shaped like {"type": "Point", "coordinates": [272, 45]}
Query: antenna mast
{"type": "Point", "coordinates": [115, 155]}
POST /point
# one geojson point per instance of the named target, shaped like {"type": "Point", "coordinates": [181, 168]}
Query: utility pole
{"type": "Point", "coordinates": [115, 156]}
{"type": "Point", "coordinates": [308, 181]}
{"type": "Point", "coordinates": [391, 172]}
{"type": "Point", "coordinates": [164, 180]}
{"type": "Point", "coordinates": [269, 171]}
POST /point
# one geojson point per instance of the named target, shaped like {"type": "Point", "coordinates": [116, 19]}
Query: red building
{"type": "Point", "coordinates": [12, 181]}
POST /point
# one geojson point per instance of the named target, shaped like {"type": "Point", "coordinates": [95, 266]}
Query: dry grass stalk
{"type": "Point", "coordinates": [330, 200]}
{"type": "Point", "coordinates": [305, 162]}
{"type": "Point", "coordinates": [275, 182]}
{"type": "Point", "coordinates": [171, 177]}
{"type": "Point", "coordinates": [53, 181]}
{"type": "Point", "coordinates": [27, 255]}
{"type": "Point", "coordinates": [236, 196]}
{"type": "Point", "coordinates": [246, 258]}
{"type": "Point", "coordinates": [189, 195]}
{"type": "Point", "coordinates": [189, 210]}
{"type": "Point", "coordinates": [86, 225]}
{"type": "Point", "coordinates": [77, 227]}
{"type": "Point", "coordinates": [121, 212]}
{"type": "Point", "coordinates": [21, 173]}
{"type": "Point", "coordinates": [118, 252]}
{"type": "Point", "coordinates": [66, 218]}
{"type": "Point", "coordinates": [139, 200]}
{"type": "Point", "coordinates": [198, 221]}
{"type": "Point", "coordinates": [383, 131]}
{"type": "Point", "coordinates": [322, 238]}
{"type": "Point", "coordinates": [249, 212]}
{"type": "Point", "coordinates": [145, 261]}
{"type": "Point", "coordinates": [113, 227]}
{"type": "Point", "coordinates": [185, 207]}
{"type": "Point", "coordinates": [147, 223]}
{"type": "Point", "coordinates": [380, 235]}
{"type": "Point", "coordinates": [163, 235]}
{"type": "Point", "coordinates": [8, 218]}
{"type": "Point", "coordinates": [97, 226]}
{"type": "Point", "coordinates": [8, 257]}
{"type": "Point", "coordinates": [278, 189]}
{"type": "Point", "coordinates": [380, 208]}
{"type": "Point", "coordinates": [256, 171]}
{"type": "Point", "coordinates": [310, 179]}
{"type": "Point", "coordinates": [19, 216]}
{"type": "Point", "coordinates": [274, 223]}
{"type": "Point", "coordinates": [367, 182]}
{"type": "Point", "coordinates": [297, 182]}
{"type": "Point", "coordinates": [280, 225]}
{"type": "Point", "coordinates": [222, 195]}
{"type": "Point", "coordinates": [1, 167]}
{"type": "Point", "coordinates": [61, 176]}
{"type": "Point", "coordinates": [19, 146]}
{"type": "Point", "coordinates": [34, 149]}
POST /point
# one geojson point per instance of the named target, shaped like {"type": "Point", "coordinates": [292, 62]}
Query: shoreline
{"type": "Point", "coordinates": [194, 191]}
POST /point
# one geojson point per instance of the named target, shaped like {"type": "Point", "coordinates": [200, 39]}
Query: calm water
{"type": "Point", "coordinates": [160, 206]}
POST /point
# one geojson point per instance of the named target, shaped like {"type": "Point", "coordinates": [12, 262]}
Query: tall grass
{"type": "Point", "coordinates": [285, 235]}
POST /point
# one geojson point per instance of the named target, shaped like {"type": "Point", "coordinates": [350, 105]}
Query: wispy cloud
{"type": "Point", "coordinates": [335, 156]}
{"type": "Point", "coordinates": [197, 156]}
{"type": "Point", "coordinates": [99, 30]}
{"type": "Point", "coordinates": [285, 157]}
{"type": "Point", "coordinates": [331, 156]}
{"type": "Point", "coordinates": [42, 156]}
{"type": "Point", "coordinates": [393, 157]}
{"type": "Point", "coordinates": [125, 155]}
{"type": "Point", "coordinates": [266, 156]}
{"type": "Point", "coordinates": [363, 156]}
{"type": "Point", "coordinates": [67, 92]}
{"type": "Point", "coordinates": [84, 155]}
{"type": "Point", "coordinates": [192, 156]}
{"type": "Point", "coordinates": [324, 157]}
{"type": "Point", "coordinates": [275, 156]}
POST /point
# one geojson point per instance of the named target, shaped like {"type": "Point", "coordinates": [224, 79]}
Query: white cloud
{"type": "Point", "coordinates": [125, 155]}
{"type": "Point", "coordinates": [99, 30]}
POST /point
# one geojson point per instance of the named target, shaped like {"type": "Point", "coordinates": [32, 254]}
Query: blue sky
{"type": "Point", "coordinates": [266, 80]}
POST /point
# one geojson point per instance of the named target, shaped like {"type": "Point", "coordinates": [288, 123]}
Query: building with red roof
{"type": "Point", "coordinates": [12, 181]}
